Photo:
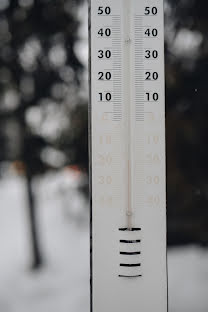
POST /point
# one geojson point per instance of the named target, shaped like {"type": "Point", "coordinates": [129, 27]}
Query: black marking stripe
{"type": "Point", "coordinates": [130, 253]}
{"type": "Point", "coordinates": [130, 276]}
{"type": "Point", "coordinates": [130, 264]}
{"type": "Point", "coordinates": [130, 241]}
{"type": "Point", "coordinates": [130, 230]}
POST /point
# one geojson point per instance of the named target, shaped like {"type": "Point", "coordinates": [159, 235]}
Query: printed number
{"type": "Point", "coordinates": [151, 76]}
{"type": "Point", "coordinates": [153, 159]}
{"type": "Point", "coordinates": [153, 200]}
{"type": "Point", "coordinates": [151, 32]}
{"type": "Point", "coordinates": [154, 96]}
{"type": "Point", "coordinates": [104, 160]}
{"type": "Point", "coordinates": [150, 11]}
{"type": "Point", "coordinates": [153, 180]}
{"type": "Point", "coordinates": [104, 54]}
{"type": "Point", "coordinates": [105, 97]}
{"type": "Point", "coordinates": [104, 32]}
{"type": "Point", "coordinates": [105, 139]}
{"type": "Point", "coordinates": [153, 139]}
{"type": "Point", "coordinates": [104, 200]}
{"type": "Point", "coordinates": [105, 180]}
{"type": "Point", "coordinates": [104, 76]}
{"type": "Point", "coordinates": [104, 10]}
{"type": "Point", "coordinates": [151, 54]}
{"type": "Point", "coordinates": [104, 117]}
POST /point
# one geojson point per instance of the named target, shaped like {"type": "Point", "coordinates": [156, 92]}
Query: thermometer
{"type": "Point", "coordinates": [127, 134]}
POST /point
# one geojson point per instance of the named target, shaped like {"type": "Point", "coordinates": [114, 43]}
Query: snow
{"type": "Point", "coordinates": [188, 279]}
{"type": "Point", "coordinates": [63, 284]}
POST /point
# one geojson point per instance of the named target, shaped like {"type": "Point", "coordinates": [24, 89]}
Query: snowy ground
{"type": "Point", "coordinates": [63, 285]}
{"type": "Point", "coordinates": [188, 280]}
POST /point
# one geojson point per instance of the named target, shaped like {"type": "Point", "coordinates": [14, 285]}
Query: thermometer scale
{"type": "Point", "coordinates": [127, 132]}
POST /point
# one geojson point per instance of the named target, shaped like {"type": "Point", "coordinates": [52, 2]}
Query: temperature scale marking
{"type": "Point", "coordinates": [127, 124]}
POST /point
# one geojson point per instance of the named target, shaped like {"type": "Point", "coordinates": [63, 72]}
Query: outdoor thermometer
{"type": "Point", "coordinates": [127, 133]}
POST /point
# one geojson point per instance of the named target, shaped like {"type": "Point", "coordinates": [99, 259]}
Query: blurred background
{"type": "Point", "coordinates": [44, 211]}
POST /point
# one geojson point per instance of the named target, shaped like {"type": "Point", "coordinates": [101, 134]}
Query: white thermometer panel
{"type": "Point", "coordinates": [128, 156]}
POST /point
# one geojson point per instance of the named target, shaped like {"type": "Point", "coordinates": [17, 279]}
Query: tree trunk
{"type": "Point", "coordinates": [37, 259]}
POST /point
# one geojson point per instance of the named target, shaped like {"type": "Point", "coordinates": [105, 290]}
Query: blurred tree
{"type": "Point", "coordinates": [187, 126]}
{"type": "Point", "coordinates": [40, 79]}
{"type": "Point", "coordinates": [41, 110]}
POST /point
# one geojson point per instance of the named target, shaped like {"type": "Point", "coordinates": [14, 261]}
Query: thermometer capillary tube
{"type": "Point", "coordinates": [127, 105]}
